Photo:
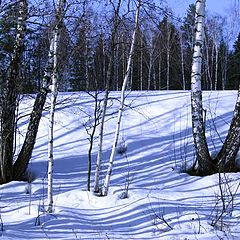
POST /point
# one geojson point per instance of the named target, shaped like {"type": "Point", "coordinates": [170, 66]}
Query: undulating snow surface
{"type": "Point", "coordinates": [164, 202]}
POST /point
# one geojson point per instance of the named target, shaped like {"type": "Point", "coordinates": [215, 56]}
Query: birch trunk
{"type": "Point", "coordinates": [225, 67]}
{"type": "Point", "coordinates": [208, 71]}
{"type": "Point", "coordinates": [160, 71]}
{"type": "Point", "coordinates": [120, 111]}
{"type": "Point", "coordinates": [228, 153]}
{"type": "Point", "coordinates": [105, 102]}
{"type": "Point", "coordinates": [182, 62]}
{"type": "Point", "coordinates": [54, 92]}
{"type": "Point", "coordinates": [25, 153]}
{"type": "Point", "coordinates": [51, 125]}
{"type": "Point", "coordinates": [150, 64]}
{"type": "Point", "coordinates": [216, 66]}
{"type": "Point", "coordinates": [205, 165]}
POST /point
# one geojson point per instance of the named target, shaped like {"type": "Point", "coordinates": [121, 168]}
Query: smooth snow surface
{"type": "Point", "coordinates": [164, 202]}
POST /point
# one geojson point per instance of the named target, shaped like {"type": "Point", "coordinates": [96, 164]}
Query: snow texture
{"type": "Point", "coordinates": [163, 202]}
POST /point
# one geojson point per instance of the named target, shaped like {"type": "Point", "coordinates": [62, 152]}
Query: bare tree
{"type": "Point", "coordinates": [91, 126]}
{"type": "Point", "coordinates": [205, 165]}
{"type": "Point", "coordinates": [227, 155]}
{"type": "Point", "coordinates": [25, 153]}
{"type": "Point", "coordinates": [54, 44]}
{"type": "Point", "coordinates": [225, 160]}
{"type": "Point", "coordinates": [120, 111]}
{"type": "Point", "coordinates": [107, 89]}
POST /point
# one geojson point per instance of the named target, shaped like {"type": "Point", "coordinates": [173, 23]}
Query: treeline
{"type": "Point", "coordinates": [162, 55]}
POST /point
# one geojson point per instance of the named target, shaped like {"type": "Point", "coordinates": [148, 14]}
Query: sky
{"type": "Point", "coordinates": [214, 6]}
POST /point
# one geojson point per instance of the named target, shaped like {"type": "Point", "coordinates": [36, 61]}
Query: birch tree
{"type": "Point", "coordinates": [229, 150]}
{"type": "Point", "coordinates": [55, 44]}
{"type": "Point", "coordinates": [24, 156]}
{"type": "Point", "coordinates": [225, 160]}
{"type": "Point", "coordinates": [182, 62]}
{"type": "Point", "coordinates": [120, 111]}
{"type": "Point", "coordinates": [205, 165]}
{"type": "Point", "coordinates": [105, 101]}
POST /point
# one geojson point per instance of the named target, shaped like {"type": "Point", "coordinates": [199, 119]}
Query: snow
{"type": "Point", "coordinates": [164, 202]}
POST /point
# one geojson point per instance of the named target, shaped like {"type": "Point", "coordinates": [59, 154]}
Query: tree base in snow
{"type": "Point", "coordinates": [216, 168]}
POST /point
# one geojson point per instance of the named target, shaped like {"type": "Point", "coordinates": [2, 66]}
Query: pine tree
{"type": "Point", "coordinates": [234, 63]}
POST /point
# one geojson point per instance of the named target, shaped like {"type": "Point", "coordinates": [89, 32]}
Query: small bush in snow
{"type": "Point", "coordinates": [122, 148]}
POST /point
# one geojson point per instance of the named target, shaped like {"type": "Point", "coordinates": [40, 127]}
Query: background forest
{"type": "Point", "coordinates": [162, 55]}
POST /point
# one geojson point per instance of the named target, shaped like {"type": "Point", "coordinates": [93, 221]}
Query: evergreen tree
{"type": "Point", "coordinates": [169, 41]}
{"type": "Point", "coordinates": [234, 63]}
{"type": "Point", "coordinates": [188, 36]}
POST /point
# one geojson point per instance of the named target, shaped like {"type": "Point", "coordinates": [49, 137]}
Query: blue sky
{"type": "Point", "coordinates": [213, 6]}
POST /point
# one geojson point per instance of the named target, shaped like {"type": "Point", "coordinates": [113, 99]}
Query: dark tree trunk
{"type": "Point", "coordinates": [7, 130]}
{"type": "Point", "coordinates": [226, 158]}
{"type": "Point", "coordinates": [25, 154]}
{"type": "Point", "coordinates": [9, 97]}
{"type": "Point", "coordinates": [205, 164]}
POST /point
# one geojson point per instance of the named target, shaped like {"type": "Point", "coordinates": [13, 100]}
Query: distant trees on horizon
{"type": "Point", "coordinates": [162, 56]}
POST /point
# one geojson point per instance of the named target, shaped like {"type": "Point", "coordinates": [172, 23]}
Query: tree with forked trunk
{"type": "Point", "coordinates": [10, 169]}
{"type": "Point", "coordinates": [225, 161]}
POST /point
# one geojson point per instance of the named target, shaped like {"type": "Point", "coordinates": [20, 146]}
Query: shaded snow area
{"type": "Point", "coordinates": [163, 203]}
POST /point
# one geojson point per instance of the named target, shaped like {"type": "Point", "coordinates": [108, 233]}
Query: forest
{"type": "Point", "coordinates": [119, 120]}
{"type": "Point", "coordinates": [162, 56]}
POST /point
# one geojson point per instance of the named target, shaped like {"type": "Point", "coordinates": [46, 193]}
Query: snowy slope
{"type": "Point", "coordinates": [164, 202]}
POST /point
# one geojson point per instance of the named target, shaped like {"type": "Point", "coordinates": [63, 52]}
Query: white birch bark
{"type": "Point", "coordinates": [120, 111]}
{"type": "Point", "coordinates": [182, 62]}
{"type": "Point", "coordinates": [54, 92]}
{"type": "Point", "coordinates": [224, 71]}
{"type": "Point", "coordinates": [198, 128]}
{"type": "Point", "coordinates": [150, 66]}
{"type": "Point", "coordinates": [216, 66]}
{"type": "Point", "coordinates": [159, 70]}
{"type": "Point", "coordinates": [100, 143]}
{"type": "Point", "coordinates": [105, 102]}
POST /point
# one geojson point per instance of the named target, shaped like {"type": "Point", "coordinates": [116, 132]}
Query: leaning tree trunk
{"type": "Point", "coordinates": [25, 153]}
{"type": "Point", "coordinates": [9, 93]}
{"type": "Point", "coordinates": [226, 158]}
{"type": "Point", "coordinates": [120, 111]}
{"type": "Point", "coordinates": [205, 165]}
{"type": "Point", "coordinates": [24, 156]}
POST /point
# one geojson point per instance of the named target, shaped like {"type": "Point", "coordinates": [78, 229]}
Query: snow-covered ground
{"type": "Point", "coordinates": [164, 202]}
